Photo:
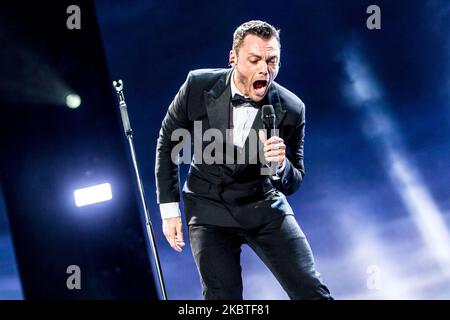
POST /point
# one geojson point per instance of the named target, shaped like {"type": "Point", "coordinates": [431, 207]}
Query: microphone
{"type": "Point", "coordinates": [268, 118]}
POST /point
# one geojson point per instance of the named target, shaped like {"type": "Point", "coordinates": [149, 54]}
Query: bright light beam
{"type": "Point", "coordinates": [405, 178]}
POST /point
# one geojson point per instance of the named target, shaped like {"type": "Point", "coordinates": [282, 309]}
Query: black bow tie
{"type": "Point", "coordinates": [239, 100]}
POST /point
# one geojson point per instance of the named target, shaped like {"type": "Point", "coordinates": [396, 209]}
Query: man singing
{"type": "Point", "coordinates": [230, 203]}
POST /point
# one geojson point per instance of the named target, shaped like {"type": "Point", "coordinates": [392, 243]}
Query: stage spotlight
{"type": "Point", "coordinates": [73, 100]}
{"type": "Point", "coordinates": [93, 194]}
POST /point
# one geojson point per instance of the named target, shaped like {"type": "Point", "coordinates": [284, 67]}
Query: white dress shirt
{"type": "Point", "coordinates": [243, 117]}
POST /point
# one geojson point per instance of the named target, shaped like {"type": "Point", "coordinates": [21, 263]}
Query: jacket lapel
{"type": "Point", "coordinates": [274, 99]}
{"type": "Point", "coordinates": [217, 101]}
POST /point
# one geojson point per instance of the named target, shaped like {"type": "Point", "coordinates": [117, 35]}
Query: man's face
{"type": "Point", "coordinates": [256, 65]}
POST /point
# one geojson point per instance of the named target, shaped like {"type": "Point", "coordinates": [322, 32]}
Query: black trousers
{"type": "Point", "coordinates": [280, 244]}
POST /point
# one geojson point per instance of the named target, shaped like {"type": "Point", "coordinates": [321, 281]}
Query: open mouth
{"type": "Point", "coordinates": [260, 87]}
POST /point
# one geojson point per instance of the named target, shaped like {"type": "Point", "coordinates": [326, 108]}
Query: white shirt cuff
{"type": "Point", "coordinates": [169, 210]}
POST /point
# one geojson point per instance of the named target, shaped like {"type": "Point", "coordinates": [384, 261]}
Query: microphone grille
{"type": "Point", "coordinates": [267, 110]}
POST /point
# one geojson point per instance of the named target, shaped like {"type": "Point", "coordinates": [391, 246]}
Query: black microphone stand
{"type": "Point", "coordinates": [118, 85]}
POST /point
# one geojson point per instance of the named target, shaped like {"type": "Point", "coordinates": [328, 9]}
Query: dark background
{"type": "Point", "coordinates": [375, 200]}
{"type": "Point", "coordinates": [49, 150]}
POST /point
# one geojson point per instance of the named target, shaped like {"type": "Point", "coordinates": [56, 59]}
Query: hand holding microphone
{"type": "Point", "coordinates": [274, 147]}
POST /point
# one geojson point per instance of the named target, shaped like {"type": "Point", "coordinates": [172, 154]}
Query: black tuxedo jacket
{"type": "Point", "coordinates": [228, 194]}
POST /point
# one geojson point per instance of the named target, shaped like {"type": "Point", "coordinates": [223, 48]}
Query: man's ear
{"type": "Point", "coordinates": [232, 59]}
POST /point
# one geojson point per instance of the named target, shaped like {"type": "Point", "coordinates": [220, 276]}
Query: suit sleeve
{"type": "Point", "coordinates": [166, 171]}
{"type": "Point", "coordinates": [294, 170]}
